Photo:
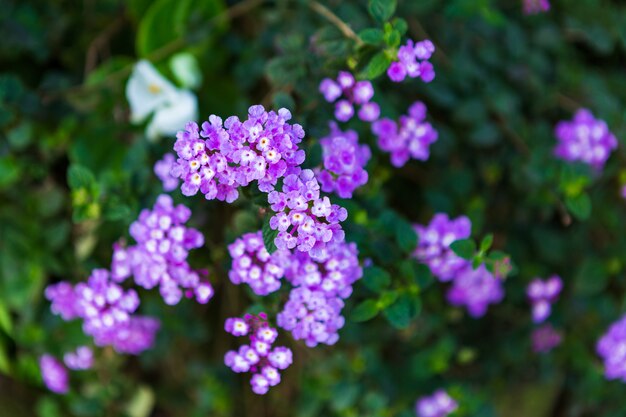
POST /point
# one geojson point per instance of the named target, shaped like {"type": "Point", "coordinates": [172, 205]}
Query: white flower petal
{"type": "Point", "coordinates": [147, 90]}
{"type": "Point", "coordinates": [172, 117]}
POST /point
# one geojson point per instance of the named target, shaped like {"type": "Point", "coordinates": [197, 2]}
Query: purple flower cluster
{"type": "Point", "coordinates": [413, 62]}
{"type": "Point", "coordinates": [221, 156]}
{"type": "Point", "coordinates": [545, 338]}
{"type": "Point", "coordinates": [612, 349]}
{"type": "Point", "coordinates": [258, 357]}
{"type": "Point", "coordinates": [305, 220]}
{"type": "Point", "coordinates": [160, 255]}
{"type": "Point", "coordinates": [163, 170]}
{"type": "Point", "coordinates": [536, 6]}
{"type": "Point", "coordinates": [475, 289]}
{"type": "Point", "coordinates": [352, 93]}
{"type": "Point", "coordinates": [344, 160]}
{"type": "Point", "coordinates": [440, 404]}
{"type": "Point", "coordinates": [410, 138]}
{"type": "Point", "coordinates": [253, 265]}
{"type": "Point", "coordinates": [54, 374]}
{"type": "Point", "coordinates": [434, 245]}
{"type": "Point", "coordinates": [542, 294]}
{"type": "Point", "coordinates": [585, 139]}
{"type": "Point", "coordinates": [80, 359]}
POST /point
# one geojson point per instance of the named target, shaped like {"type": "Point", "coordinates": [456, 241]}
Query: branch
{"type": "Point", "coordinates": [336, 20]}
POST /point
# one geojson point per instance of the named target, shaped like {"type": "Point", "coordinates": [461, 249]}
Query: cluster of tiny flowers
{"type": "Point", "coordinates": [54, 374]}
{"type": "Point", "coordinates": [542, 294]}
{"type": "Point", "coordinates": [612, 349]}
{"type": "Point", "coordinates": [163, 170]}
{"type": "Point", "coordinates": [585, 139]}
{"type": "Point", "coordinates": [80, 359]}
{"type": "Point", "coordinates": [536, 6]}
{"type": "Point", "coordinates": [160, 255]}
{"type": "Point", "coordinates": [344, 160]}
{"type": "Point", "coordinates": [259, 357]}
{"type": "Point", "coordinates": [253, 265]}
{"type": "Point", "coordinates": [434, 245]}
{"type": "Point", "coordinates": [221, 156]}
{"type": "Point", "coordinates": [305, 220]}
{"type": "Point", "coordinates": [352, 93]}
{"type": "Point", "coordinates": [410, 138]}
{"type": "Point", "coordinates": [545, 338]}
{"type": "Point", "coordinates": [475, 289]}
{"type": "Point", "coordinates": [440, 404]}
{"type": "Point", "coordinates": [413, 62]}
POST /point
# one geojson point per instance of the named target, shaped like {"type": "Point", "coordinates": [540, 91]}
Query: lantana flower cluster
{"type": "Point", "coordinates": [347, 93]}
{"type": "Point", "coordinates": [259, 357]}
{"type": "Point", "coordinates": [542, 294]}
{"type": "Point", "coordinates": [344, 160]}
{"type": "Point", "coordinates": [411, 137]}
{"type": "Point", "coordinates": [163, 171]}
{"type": "Point", "coordinates": [413, 61]}
{"type": "Point", "coordinates": [545, 338]}
{"type": "Point", "coordinates": [440, 404]}
{"type": "Point", "coordinates": [612, 349]}
{"type": "Point", "coordinates": [584, 139]}
{"type": "Point", "coordinates": [473, 288]}
{"type": "Point", "coordinates": [160, 256]}
{"type": "Point", "coordinates": [536, 6]}
{"type": "Point", "coordinates": [221, 156]}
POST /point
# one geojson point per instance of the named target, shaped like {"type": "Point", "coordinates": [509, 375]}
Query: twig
{"type": "Point", "coordinates": [336, 20]}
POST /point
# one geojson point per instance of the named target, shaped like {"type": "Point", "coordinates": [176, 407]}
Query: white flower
{"type": "Point", "coordinates": [149, 92]}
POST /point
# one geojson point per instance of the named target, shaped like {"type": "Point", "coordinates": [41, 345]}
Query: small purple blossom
{"type": "Point", "coordinates": [54, 374]}
{"type": "Point", "coordinates": [612, 349]}
{"type": "Point", "coordinates": [137, 335]}
{"type": "Point", "coordinates": [80, 359]}
{"type": "Point", "coordinates": [413, 62]}
{"type": "Point", "coordinates": [536, 6]}
{"type": "Point", "coordinates": [545, 338]}
{"type": "Point", "coordinates": [354, 93]}
{"type": "Point", "coordinates": [434, 245]}
{"type": "Point", "coordinates": [253, 265]}
{"type": "Point", "coordinates": [163, 169]}
{"type": "Point", "coordinates": [344, 161]}
{"type": "Point", "coordinates": [475, 289]}
{"type": "Point", "coordinates": [219, 157]}
{"type": "Point", "coordinates": [542, 294]}
{"type": "Point", "coordinates": [440, 404]}
{"type": "Point", "coordinates": [63, 300]}
{"type": "Point", "coordinates": [160, 255]}
{"type": "Point", "coordinates": [259, 357]}
{"type": "Point", "coordinates": [585, 139]}
{"type": "Point", "coordinates": [305, 220]}
{"type": "Point", "coordinates": [410, 138]}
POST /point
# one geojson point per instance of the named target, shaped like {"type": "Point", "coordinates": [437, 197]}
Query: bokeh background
{"type": "Point", "coordinates": [504, 79]}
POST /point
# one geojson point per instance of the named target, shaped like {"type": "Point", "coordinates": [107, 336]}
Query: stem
{"type": "Point", "coordinates": [336, 20]}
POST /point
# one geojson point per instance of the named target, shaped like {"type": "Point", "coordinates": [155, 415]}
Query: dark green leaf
{"type": "Point", "coordinates": [382, 10]}
{"type": "Point", "coordinates": [79, 177]}
{"type": "Point", "coordinates": [579, 206]}
{"type": "Point", "coordinates": [367, 310]}
{"type": "Point", "coordinates": [486, 243]}
{"type": "Point", "coordinates": [372, 36]}
{"type": "Point", "coordinates": [377, 66]}
{"type": "Point", "coordinates": [376, 279]}
{"type": "Point", "coordinates": [400, 313]}
{"type": "Point", "coordinates": [464, 248]}
{"type": "Point", "coordinates": [406, 237]}
{"type": "Point", "coordinates": [269, 235]}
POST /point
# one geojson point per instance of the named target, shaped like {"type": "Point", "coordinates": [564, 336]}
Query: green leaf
{"type": "Point", "coordinates": [377, 66]}
{"type": "Point", "coordinates": [486, 243]}
{"type": "Point", "coordinates": [79, 177]}
{"type": "Point", "coordinates": [367, 310]}
{"type": "Point", "coordinates": [382, 10]}
{"type": "Point", "coordinates": [387, 298]}
{"type": "Point", "coordinates": [393, 38]}
{"type": "Point", "coordinates": [406, 237]}
{"type": "Point", "coordinates": [579, 206]}
{"type": "Point", "coordinates": [6, 323]}
{"type": "Point", "coordinates": [400, 313]}
{"type": "Point", "coordinates": [400, 25]}
{"type": "Point", "coordinates": [376, 279]}
{"type": "Point", "coordinates": [142, 402]}
{"type": "Point", "coordinates": [464, 248]}
{"type": "Point", "coordinates": [372, 36]}
{"type": "Point", "coordinates": [269, 235]}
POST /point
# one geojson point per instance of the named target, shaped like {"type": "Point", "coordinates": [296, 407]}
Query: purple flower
{"type": "Point", "coordinates": [536, 6]}
{"type": "Point", "coordinates": [542, 294]}
{"type": "Point", "coordinates": [63, 299]}
{"type": "Point", "coordinates": [54, 375]}
{"type": "Point", "coordinates": [163, 169]}
{"type": "Point", "coordinates": [160, 255]}
{"type": "Point", "coordinates": [585, 139]}
{"type": "Point", "coordinates": [440, 404]}
{"type": "Point", "coordinates": [258, 357]}
{"type": "Point", "coordinates": [434, 245]}
{"type": "Point", "coordinates": [80, 359]}
{"type": "Point", "coordinates": [221, 156]}
{"type": "Point", "coordinates": [612, 349]}
{"type": "Point", "coordinates": [305, 220]}
{"type": "Point", "coordinates": [354, 93]}
{"type": "Point", "coordinates": [413, 61]}
{"type": "Point", "coordinates": [410, 138]}
{"type": "Point", "coordinates": [475, 289]}
{"type": "Point", "coordinates": [133, 337]}
{"type": "Point", "coordinates": [344, 161]}
{"type": "Point", "coordinates": [545, 338]}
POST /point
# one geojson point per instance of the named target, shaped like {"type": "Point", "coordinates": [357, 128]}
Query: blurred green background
{"type": "Point", "coordinates": [503, 80]}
